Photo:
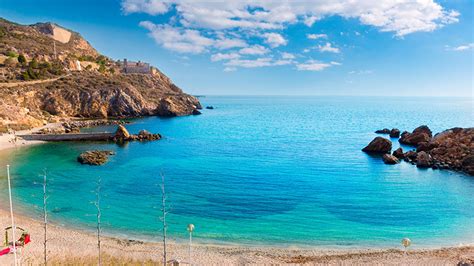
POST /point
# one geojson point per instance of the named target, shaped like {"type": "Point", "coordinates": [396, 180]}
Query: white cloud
{"type": "Point", "coordinates": [250, 63]}
{"type": "Point", "coordinates": [219, 56]}
{"type": "Point", "coordinates": [177, 39]}
{"type": "Point", "coordinates": [258, 62]}
{"type": "Point", "coordinates": [286, 55]}
{"type": "Point", "coordinates": [274, 39]}
{"type": "Point", "coordinates": [316, 36]}
{"type": "Point", "coordinates": [152, 7]}
{"type": "Point", "coordinates": [461, 48]}
{"type": "Point", "coordinates": [283, 62]}
{"type": "Point", "coordinates": [312, 65]}
{"type": "Point", "coordinates": [236, 25]}
{"type": "Point", "coordinates": [401, 17]}
{"type": "Point", "coordinates": [310, 20]}
{"type": "Point", "coordinates": [361, 72]}
{"type": "Point", "coordinates": [229, 43]}
{"type": "Point", "coordinates": [328, 48]}
{"type": "Point", "coordinates": [230, 69]}
{"type": "Point", "coordinates": [254, 50]}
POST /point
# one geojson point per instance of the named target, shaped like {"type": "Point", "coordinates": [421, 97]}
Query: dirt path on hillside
{"type": "Point", "coordinates": [14, 84]}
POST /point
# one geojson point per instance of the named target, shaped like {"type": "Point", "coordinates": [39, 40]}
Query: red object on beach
{"type": "Point", "coordinates": [27, 239]}
{"type": "Point", "coordinates": [24, 239]}
{"type": "Point", "coordinates": [5, 251]}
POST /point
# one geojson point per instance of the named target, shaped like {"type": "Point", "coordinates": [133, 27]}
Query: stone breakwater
{"type": "Point", "coordinates": [451, 149]}
{"type": "Point", "coordinates": [121, 135]}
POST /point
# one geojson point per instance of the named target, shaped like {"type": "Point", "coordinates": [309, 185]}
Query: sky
{"type": "Point", "coordinates": [313, 47]}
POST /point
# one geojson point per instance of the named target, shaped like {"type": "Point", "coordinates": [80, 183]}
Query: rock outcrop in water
{"type": "Point", "coordinates": [395, 133]}
{"type": "Point", "coordinates": [378, 145]}
{"type": "Point", "coordinates": [122, 135]}
{"type": "Point", "coordinates": [451, 149]}
{"type": "Point", "coordinates": [420, 134]}
{"type": "Point", "coordinates": [383, 131]}
{"type": "Point", "coordinates": [390, 159]}
{"type": "Point", "coordinates": [398, 153]}
{"type": "Point", "coordinates": [94, 157]}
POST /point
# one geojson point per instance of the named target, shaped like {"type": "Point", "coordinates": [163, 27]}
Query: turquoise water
{"type": "Point", "coordinates": [263, 170]}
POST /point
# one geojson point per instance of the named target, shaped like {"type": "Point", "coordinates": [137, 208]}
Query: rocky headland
{"type": "Point", "coordinates": [40, 84]}
{"type": "Point", "coordinates": [451, 149]}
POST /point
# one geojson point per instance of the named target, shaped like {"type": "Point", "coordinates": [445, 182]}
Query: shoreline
{"type": "Point", "coordinates": [74, 246]}
{"type": "Point", "coordinates": [7, 140]}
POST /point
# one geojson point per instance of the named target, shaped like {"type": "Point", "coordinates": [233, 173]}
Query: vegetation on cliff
{"type": "Point", "coordinates": [50, 74]}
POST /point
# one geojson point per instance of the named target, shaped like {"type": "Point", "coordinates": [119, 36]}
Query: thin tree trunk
{"type": "Point", "coordinates": [98, 221]}
{"type": "Point", "coordinates": [45, 220]}
{"type": "Point", "coordinates": [163, 209]}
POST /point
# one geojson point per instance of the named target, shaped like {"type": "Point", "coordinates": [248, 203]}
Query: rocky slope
{"type": "Point", "coordinates": [90, 85]}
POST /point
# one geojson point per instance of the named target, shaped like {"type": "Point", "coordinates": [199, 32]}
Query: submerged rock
{"type": "Point", "coordinates": [210, 107]}
{"type": "Point", "coordinates": [378, 145]}
{"type": "Point", "coordinates": [94, 157]}
{"type": "Point", "coordinates": [390, 159]}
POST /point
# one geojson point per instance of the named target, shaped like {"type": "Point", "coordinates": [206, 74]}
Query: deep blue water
{"type": "Point", "coordinates": [263, 170]}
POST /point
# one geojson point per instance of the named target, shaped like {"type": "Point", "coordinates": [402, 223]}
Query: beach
{"type": "Point", "coordinates": [10, 140]}
{"type": "Point", "coordinates": [75, 247]}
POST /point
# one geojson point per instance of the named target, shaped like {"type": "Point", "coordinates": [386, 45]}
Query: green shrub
{"type": "Point", "coordinates": [102, 69]}
{"type": "Point", "coordinates": [12, 54]}
{"type": "Point", "coordinates": [25, 76]}
{"type": "Point", "coordinates": [32, 73]}
{"type": "Point", "coordinates": [22, 59]}
{"type": "Point", "coordinates": [33, 64]}
{"type": "Point", "coordinates": [44, 65]}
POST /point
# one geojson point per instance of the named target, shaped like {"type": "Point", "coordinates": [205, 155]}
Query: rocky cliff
{"type": "Point", "coordinates": [38, 86]}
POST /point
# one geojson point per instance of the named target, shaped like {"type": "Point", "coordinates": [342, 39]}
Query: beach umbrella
{"type": "Point", "coordinates": [190, 230]}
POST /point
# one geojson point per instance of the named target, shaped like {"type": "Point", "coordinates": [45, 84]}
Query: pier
{"type": "Point", "coordinates": [101, 136]}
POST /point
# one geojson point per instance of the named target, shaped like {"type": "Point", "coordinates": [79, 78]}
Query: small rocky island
{"type": "Point", "coordinates": [94, 157]}
{"type": "Point", "coordinates": [122, 135]}
{"type": "Point", "coordinates": [451, 149]}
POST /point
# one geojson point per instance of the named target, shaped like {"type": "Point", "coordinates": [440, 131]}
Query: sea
{"type": "Point", "coordinates": [284, 171]}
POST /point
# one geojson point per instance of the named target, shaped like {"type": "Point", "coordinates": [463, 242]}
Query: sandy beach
{"type": "Point", "coordinates": [11, 141]}
{"type": "Point", "coordinates": [74, 247]}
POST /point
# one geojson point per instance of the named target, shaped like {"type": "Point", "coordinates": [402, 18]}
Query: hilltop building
{"type": "Point", "coordinates": [135, 67]}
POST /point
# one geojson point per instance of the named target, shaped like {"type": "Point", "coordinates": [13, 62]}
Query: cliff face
{"type": "Point", "coordinates": [46, 88]}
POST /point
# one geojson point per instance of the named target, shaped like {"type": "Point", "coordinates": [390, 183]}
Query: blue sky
{"type": "Point", "coordinates": [320, 47]}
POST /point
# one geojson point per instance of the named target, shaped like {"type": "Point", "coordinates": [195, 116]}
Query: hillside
{"type": "Point", "coordinates": [49, 73]}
